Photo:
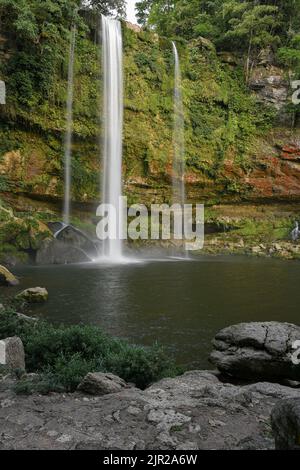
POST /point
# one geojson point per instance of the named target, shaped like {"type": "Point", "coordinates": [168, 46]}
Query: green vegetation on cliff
{"type": "Point", "coordinates": [222, 118]}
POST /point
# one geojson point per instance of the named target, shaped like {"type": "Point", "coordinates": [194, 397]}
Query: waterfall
{"type": "Point", "coordinates": [178, 136]}
{"type": "Point", "coordinates": [69, 130]}
{"type": "Point", "coordinates": [112, 62]}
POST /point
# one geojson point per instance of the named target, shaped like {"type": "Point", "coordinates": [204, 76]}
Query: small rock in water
{"type": "Point", "coordinates": [101, 384]}
{"type": "Point", "coordinates": [34, 295]}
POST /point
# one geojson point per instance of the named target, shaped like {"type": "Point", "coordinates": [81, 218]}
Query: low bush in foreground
{"type": "Point", "coordinates": [62, 356]}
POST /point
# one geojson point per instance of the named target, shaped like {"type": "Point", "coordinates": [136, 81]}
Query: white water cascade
{"type": "Point", "coordinates": [69, 131]}
{"type": "Point", "coordinates": [112, 58]}
{"type": "Point", "coordinates": [178, 179]}
{"type": "Point", "coordinates": [178, 136]}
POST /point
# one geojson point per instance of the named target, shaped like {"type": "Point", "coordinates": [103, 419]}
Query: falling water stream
{"type": "Point", "coordinates": [112, 57]}
{"type": "Point", "coordinates": [178, 179]}
{"type": "Point", "coordinates": [69, 130]}
{"type": "Point", "coordinates": [178, 136]}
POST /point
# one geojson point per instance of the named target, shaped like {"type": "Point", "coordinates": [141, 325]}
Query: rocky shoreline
{"type": "Point", "coordinates": [195, 411]}
{"type": "Point", "coordinates": [250, 403]}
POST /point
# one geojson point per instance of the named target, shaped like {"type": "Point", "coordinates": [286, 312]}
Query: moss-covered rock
{"type": "Point", "coordinates": [34, 295]}
{"type": "Point", "coordinates": [7, 278]}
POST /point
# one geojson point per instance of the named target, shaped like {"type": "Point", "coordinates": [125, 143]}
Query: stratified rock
{"type": "Point", "coordinates": [7, 278]}
{"type": "Point", "coordinates": [270, 85]}
{"type": "Point", "coordinates": [34, 295]}
{"type": "Point", "coordinates": [101, 384]}
{"type": "Point", "coordinates": [12, 353]}
{"type": "Point", "coordinates": [257, 351]}
{"type": "Point", "coordinates": [286, 424]}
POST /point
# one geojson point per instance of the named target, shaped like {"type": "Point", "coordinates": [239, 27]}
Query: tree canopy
{"type": "Point", "coordinates": [242, 26]}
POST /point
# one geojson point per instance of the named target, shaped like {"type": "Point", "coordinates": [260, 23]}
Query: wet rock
{"type": "Point", "coordinates": [26, 317]}
{"type": "Point", "coordinates": [12, 353]}
{"type": "Point", "coordinates": [257, 351]}
{"type": "Point", "coordinates": [73, 237]}
{"type": "Point", "coordinates": [7, 278]}
{"type": "Point", "coordinates": [286, 424]}
{"type": "Point", "coordinates": [34, 295]}
{"type": "Point", "coordinates": [59, 252]}
{"type": "Point", "coordinates": [101, 384]}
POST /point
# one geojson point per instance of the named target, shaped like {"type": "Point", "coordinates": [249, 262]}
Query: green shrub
{"type": "Point", "coordinates": [64, 355]}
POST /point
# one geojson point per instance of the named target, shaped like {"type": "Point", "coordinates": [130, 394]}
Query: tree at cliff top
{"type": "Point", "coordinates": [252, 26]}
{"type": "Point", "coordinates": [243, 26]}
{"type": "Point", "coordinates": [40, 32]}
{"type": "Point", "coordinates": [107, 6]}
{"type": "Point", "coordinates": [229, 23]}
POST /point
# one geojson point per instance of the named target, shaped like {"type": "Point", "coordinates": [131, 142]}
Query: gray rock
{"type": "Point", "coordinates": [21, 316]}
{"type": "Point", "coordinates": [12, 353]}
{"type": "Point", "coordinates": [73, 237]}
{"type": "Point", "coordinates": [270, 85]}
{"type": "Point", "coordinates": [286, 424]}
{"type": "Point", "coordinates": [101, 384]}
{"type": "Point", "coordinates": [195, 410]}
{"type": "Point", "coordinates": [257, 351]}
{"type": "Point", "coordinates": [59, 252]}
{"type": "Point", "coordinates": [34, 295]}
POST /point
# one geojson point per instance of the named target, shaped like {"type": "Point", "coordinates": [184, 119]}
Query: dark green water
{"type": "Point", "coordinates": [179, 304]}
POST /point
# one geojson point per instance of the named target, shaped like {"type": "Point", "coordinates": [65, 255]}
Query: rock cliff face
{"type": "Point", "coordinates": [239, 145]}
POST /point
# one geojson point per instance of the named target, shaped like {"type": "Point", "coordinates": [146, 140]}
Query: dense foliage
{"type": "Point", "coordinates": [64, 355]}
{"type": "Point", "coordinates": [223, 119]}
{"type": "Point", "coordinates": [244, 26]}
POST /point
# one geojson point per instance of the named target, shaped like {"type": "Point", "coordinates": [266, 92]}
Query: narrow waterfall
{"type": "Point", "coordinates": [112, 57]}
{"type": "Point", "coordinates": [178, 136]}
{"type": "Point", "coordinates": [69, 130]}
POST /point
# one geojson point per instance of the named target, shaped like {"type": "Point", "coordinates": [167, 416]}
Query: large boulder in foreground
{"type": "Point", "coordinates": [7, 278]}
{"type": "Point", "coordinates": [34, 295]}
{"type": "Point", "coordinates": [12, 353]}
{"type": "Point", "coordinates": [257, 351]}
{"type": "Point", "coordinates": [100, 384]}
{"type": "Point", "coordinates": [286, 424]}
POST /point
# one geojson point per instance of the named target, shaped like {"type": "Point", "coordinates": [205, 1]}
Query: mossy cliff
{"type": "Point", "coordinates": [234, 148]}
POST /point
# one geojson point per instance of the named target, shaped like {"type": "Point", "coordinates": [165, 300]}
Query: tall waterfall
{"type": "Point", "coordinates": [113, 128]}
{"type": "Point", "coordinates": [69, 130]}
{"type": "Point", "coordinates": [178, 136]}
